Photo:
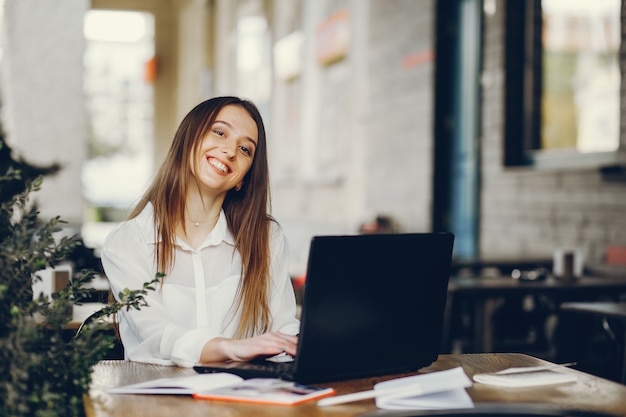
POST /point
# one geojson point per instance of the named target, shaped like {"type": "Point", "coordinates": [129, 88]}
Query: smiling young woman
{"type": "Point", "coordinates": [226, 292]}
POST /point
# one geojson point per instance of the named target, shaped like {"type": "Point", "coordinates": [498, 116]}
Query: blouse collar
{"type": "Point", "coordinates": [220, 233]}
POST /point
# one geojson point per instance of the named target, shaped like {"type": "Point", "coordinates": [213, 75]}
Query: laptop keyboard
{"type": "Point", "coordinates": [267, 368]}
{"type": "Point", "coordinates": [259, 368]}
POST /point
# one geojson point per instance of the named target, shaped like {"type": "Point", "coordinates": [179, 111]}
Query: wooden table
{"type": "Point", "coordinates": [589, 393]}
{"type": "Point", "coordinates": [604, 310]}
{"type": "Point", "coordinates": [484, 293]}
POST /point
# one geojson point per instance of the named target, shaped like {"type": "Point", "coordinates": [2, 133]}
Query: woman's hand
{"type": "Point", "coordinates": [268, 344]}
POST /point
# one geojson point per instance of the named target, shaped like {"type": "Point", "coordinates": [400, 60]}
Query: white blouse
{"type": "Point", "coordinates": [195, 303]}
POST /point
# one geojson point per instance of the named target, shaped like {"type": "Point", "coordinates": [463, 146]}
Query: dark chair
{"type": "Point", "coordinates": [117, 352]}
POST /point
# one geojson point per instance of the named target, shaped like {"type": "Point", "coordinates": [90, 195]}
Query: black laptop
{"type": "Point", "coordinates": [373, 305]}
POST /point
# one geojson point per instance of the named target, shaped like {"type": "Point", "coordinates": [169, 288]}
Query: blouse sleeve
{"type": "Point", "coordinates": [149, 334]}
{"type": "Point", "coordinates": [283, 299]}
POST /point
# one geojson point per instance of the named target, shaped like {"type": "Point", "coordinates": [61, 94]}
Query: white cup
{"type": "Point", "coordinates": [568, 263]}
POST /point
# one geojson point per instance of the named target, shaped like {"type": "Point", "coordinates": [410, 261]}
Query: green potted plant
{"type": "Point", "coordinates": [43, 372]}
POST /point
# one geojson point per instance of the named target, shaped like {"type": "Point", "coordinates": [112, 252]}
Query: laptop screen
{"type": "Point", "coordinates": [373, 305]}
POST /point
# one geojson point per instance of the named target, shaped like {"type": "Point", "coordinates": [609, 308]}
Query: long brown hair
{"type": "Point", "coordinates": [246, 210]}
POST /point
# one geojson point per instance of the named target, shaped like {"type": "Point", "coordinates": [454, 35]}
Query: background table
{"type": "Point", "coordinates": [483, 294]}
{"type": "Point", "coordinates": [81, 312]}
{"type": "Point", "coordinates": [589, 393]}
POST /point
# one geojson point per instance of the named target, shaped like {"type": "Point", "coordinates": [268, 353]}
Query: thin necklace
{"type": "Point", "coordinates": [197, 224]}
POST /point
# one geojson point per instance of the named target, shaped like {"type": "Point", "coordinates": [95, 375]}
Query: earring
{"type": "Point", "coordinates": [238, 187]}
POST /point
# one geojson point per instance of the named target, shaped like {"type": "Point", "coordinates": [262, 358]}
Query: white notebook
{"type": "Point", "coordinates": [183, 385]}
{"type": "Point", "coordinates": [432, 391]}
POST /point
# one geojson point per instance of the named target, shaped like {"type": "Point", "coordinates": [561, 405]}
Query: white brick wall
{"type": "Point", "coordinates": [399, 164]}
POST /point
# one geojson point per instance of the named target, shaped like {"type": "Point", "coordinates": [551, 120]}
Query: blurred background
{"type": "Point", "coordinates": [500, 121]}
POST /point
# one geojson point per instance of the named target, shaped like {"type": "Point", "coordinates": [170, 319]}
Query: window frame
{"type": "Point", "coordinates": [523, 92]}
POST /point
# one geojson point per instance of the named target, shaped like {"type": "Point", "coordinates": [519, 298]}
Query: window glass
{"type": "Point", "coordinates": [119, 75]}
{"type": "Point", "coordinates": [580, 75]}
{"type": "Point", "coordinates": [254, 78]}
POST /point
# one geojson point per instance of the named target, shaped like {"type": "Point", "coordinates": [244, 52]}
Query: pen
{"type": "Point", "coordinates": [525, 369]}
{"type": "Point", "coordinates": [413, 389]}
